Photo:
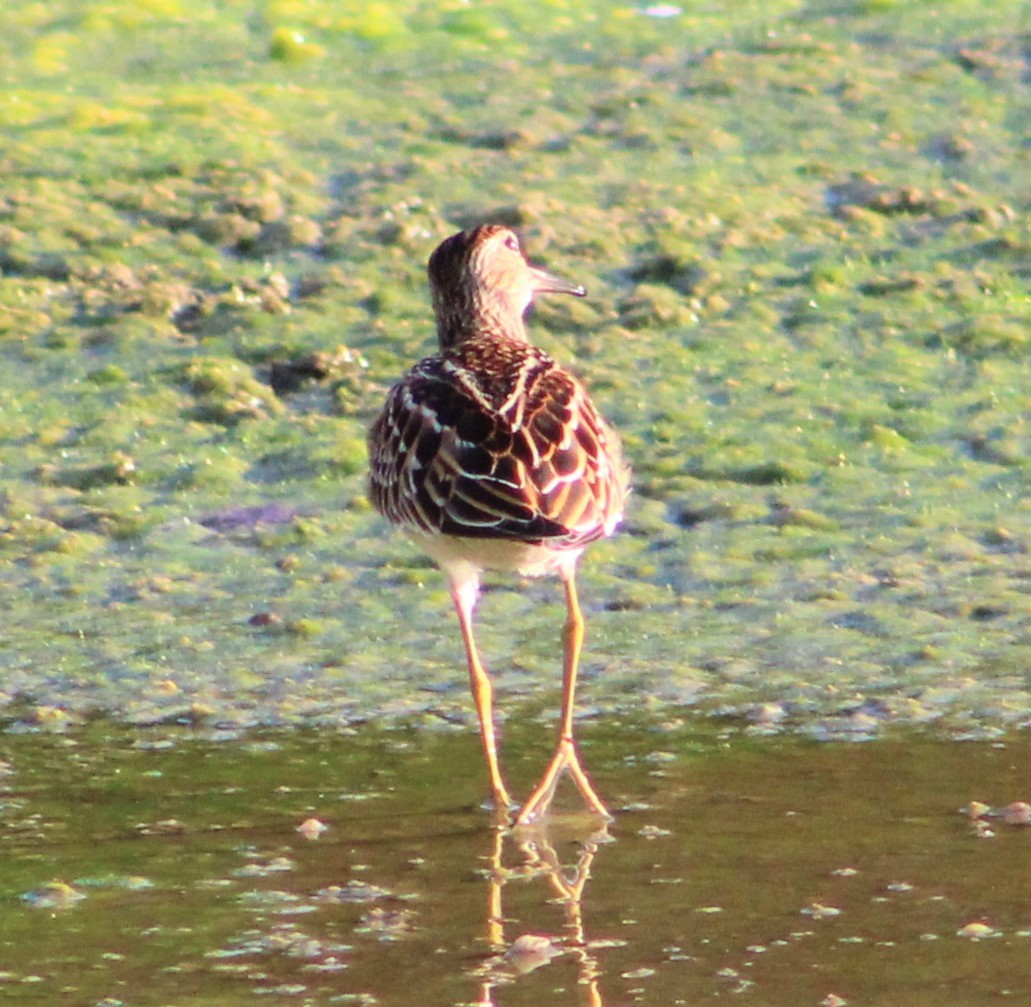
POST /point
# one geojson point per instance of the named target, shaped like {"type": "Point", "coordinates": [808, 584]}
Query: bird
{"type": "Point", "coordinates": [491, 456]}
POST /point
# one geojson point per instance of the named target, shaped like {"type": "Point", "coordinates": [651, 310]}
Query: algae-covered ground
{"type": "Point", "coordinates": [805, 230]}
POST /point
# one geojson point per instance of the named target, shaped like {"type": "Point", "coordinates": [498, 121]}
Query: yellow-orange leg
{"type": "Point", "coordinates": [464, 596]}
{"type": "Point", "coordinates": [565, 756]}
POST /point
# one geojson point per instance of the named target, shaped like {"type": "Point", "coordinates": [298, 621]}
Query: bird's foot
{"type": "Point", "coordinates": [565, 758]}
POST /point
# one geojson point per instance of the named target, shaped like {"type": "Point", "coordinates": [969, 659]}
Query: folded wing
{"type": "Point", "coordinates": [537, 466]}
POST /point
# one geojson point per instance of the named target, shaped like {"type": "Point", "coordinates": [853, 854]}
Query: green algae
{"type": "Point", "coordinates": [805, 232]}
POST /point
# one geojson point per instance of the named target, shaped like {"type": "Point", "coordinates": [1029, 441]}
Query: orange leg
{"type": "Point", "coordinates": [464, 596]}
{"type": "Point", "coordinates": [565, 756]}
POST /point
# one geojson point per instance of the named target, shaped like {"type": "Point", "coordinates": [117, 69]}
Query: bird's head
{"type": "Point", "coordinates": [481, 280]}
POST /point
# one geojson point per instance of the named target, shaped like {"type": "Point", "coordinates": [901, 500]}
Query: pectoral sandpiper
{"type": "Point", "coordinates": [490, 456]}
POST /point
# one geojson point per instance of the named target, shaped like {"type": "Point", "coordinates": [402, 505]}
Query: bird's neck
{"type": "Point", "coordinates": [488, 321]}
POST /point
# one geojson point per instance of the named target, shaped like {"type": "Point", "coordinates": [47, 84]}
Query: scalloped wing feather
{"type": "Point", "coordinates": [509, 446]}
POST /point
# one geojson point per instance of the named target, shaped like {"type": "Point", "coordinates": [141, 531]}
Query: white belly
{"type": "Point", "coordinates": [462, 559]}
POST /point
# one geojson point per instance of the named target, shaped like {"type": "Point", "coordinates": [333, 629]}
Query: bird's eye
{"type": "Point", "coordinates": [512, 243]}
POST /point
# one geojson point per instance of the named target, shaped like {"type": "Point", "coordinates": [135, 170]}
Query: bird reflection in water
{"type": "Point", "coordinates": [528, 854]}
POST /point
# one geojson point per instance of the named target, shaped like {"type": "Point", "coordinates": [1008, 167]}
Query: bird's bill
{"type": "Point", "coordinates": [548, 283]}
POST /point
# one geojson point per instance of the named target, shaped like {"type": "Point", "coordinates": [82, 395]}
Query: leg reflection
{"type": "Point", "coordinates": [534, 857]}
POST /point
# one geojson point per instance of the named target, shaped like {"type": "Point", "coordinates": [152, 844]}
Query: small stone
{"type": "Point", "coordinates": [530, 951]}
{"type": "Point", "coordinates": [1017, 813]}
{"type": "Point", "coordinates": [977, 930]}
{"type": "Point", "coordinates": [312, 828]}
{"type": "Point", "coordinates": [264, 619]}
{"type": "Point", "coordinates": [818, 911]}
{"type": "Point", "coordinates": [768, 713]}
{"type": "Point", "coordinates": [652, 832]}
{"type": "Point", "coordinates": [53, 895]}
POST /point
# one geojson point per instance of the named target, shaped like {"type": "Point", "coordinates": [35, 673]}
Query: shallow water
{"type": "Point", "coordinates": [770, 869]}
{"type": "Point", "coordinates": [805, 234]}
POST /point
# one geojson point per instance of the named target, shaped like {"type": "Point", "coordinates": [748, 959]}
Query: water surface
{"type": "Point", "coordinates": [776, 870]}
{"type": "Point", "coordinates": [804, 229]}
